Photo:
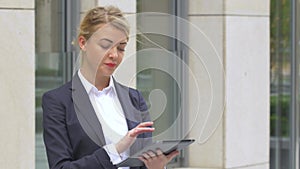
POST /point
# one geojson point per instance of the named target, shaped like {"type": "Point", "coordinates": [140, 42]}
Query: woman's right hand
{"type": "Point", "coordinates": [157, 160]}
{"type": "Point", "coordinates": [132, 134]}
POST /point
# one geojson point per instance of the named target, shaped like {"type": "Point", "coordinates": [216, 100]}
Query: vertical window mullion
{"type": "Point", "coordinates": [294, 118]}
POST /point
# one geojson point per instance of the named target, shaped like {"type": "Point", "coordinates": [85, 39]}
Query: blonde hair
{"type": "Point", "coordinates": [92, 21]}
{"type": "Point", "coordinates": [102, 15]}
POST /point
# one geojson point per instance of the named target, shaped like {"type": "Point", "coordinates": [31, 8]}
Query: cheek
{"type": "Point", "coordinates": [120, 58]}
{"type": "Point", "coordinates": [96, 53]}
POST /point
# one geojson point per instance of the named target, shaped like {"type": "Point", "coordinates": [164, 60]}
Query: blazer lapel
{"type": "Point", "coordinates": [133, 116]}
{"type": "Point", "coordinates": [86, 113]}
{"type": "Point", "coordinates": [88, 118]}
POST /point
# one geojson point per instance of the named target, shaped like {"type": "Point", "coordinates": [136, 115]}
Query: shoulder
{"type": "Point", "coordinates": [133, 93]}
{"type": "Point", "coordinates": [136, 99]}
{"type": "Point", "coordinates": [59, 93]}
{"type": "Point", "coordinates": [135, 96]}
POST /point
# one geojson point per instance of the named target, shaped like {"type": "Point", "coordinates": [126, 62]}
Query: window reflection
{"type": "Point", "coordinates": [280, 79]}
{"type": "Point", "coordinates": [49, 59]}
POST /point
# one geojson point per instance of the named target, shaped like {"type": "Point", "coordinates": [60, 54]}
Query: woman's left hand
{"type": "Point", "coordinates": [157, 160]}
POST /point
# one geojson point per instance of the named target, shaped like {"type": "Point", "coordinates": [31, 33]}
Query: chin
{"type": "Point", "coordinates": [107, 74]}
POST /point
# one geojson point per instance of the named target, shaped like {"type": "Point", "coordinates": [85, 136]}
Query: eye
{"type": "Point", "coordinates": [121, 47]}
{"type": "Point", "coordinates": [104, 44]}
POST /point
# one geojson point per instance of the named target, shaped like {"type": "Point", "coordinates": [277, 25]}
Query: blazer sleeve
{"type": "Point", "coordinates": [58, 146]}
{"type": "Point", "coordinates": [139, 103]}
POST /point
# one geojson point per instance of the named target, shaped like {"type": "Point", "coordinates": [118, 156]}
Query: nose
{"type": "Point", "coordinates": [113, 52]}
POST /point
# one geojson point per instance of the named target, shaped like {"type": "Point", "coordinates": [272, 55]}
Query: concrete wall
{"type": "Point", "coordinates": [239, 30]}
{"type": "Point", "coordinates": [17, 84]}
{"type": "Point", "coordinates": [247, 84]}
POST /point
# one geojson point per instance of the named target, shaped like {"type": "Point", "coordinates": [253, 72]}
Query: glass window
{"type": "Point", "coordinates": [284, 78]}
{"type": "Point", "coordinates": [48, 71]}
{"type": "Point", "coordinates": [159, 64]}
{"type": "Point", "coordinates": [157, 86]}
{"type": "Point", "coordinates": [53, 57]}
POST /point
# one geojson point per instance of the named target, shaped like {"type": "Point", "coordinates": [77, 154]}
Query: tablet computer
{"type": "Point", "coordinates": [166, 146]}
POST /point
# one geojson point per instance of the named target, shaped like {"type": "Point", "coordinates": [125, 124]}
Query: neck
{"type": "Point", "coordinates": [98, 80]}
{"type": "Point", "coordinates": [101, 82]}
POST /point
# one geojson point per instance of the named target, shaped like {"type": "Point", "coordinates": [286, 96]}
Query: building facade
{"type": "Point", "coordinates": [203, 67]}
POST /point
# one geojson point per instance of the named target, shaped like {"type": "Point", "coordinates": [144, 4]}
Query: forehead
{"type": "Point", "coordinates": [110, 32]}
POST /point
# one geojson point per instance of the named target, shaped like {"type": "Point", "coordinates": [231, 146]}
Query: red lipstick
{"type": "Point", "coordinates": [111, 65]}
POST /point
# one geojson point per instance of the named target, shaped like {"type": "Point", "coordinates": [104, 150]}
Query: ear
{"type": "Point", "coordinates": [82, 42]}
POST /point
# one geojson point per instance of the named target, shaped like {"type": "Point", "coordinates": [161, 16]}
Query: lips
{"type": "Point", "coordinates": [111, 65]}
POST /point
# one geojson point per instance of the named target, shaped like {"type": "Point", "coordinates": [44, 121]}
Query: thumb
{"type": "Point", "coordinates": [172, 155]}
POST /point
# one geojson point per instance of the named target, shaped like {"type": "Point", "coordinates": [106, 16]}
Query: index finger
{"type": "Point", "coordinates": [145, 124]}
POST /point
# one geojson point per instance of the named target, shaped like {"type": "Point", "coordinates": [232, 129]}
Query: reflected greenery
{"type": "Point", "coordinates": [280, 103]}
{"type": "Point", "coordinates": [280, 67]}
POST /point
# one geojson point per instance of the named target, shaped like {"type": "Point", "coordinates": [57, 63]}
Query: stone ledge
{"type": "Point", "coordinates": [17, 4]}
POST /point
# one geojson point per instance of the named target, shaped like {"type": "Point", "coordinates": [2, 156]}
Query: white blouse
{"type": "Point", "coordinates": [110, 115]}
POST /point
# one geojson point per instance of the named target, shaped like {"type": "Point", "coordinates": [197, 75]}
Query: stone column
{"type": "Point", "coordinates": [239, 32]}
{"type": "Point", "coordinates": [247, 84]}
{"type": "Point", "coordinates": [17, 84]}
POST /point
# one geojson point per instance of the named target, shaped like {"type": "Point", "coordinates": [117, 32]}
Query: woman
{"type": "Point", "coordinates": [93, 122]}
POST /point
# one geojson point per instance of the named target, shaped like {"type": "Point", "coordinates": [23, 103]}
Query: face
{"type": "Point", "coordinates": [104, 50]}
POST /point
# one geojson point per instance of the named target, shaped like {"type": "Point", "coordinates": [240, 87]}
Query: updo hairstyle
{"type": "Point", "coordinates": [102, 15]}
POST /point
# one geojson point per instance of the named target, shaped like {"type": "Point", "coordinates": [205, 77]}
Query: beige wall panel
{"type": "Point", "coordinates": [206, 94]}
{"type": "Point", "coordinates": [17, 89]}
{"type": "Point", "coordinates": [206, 7]}
{"type": "Point", "coordinates": [246, 7]}
{"type": "Point", "coordinates": [247, 86]}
